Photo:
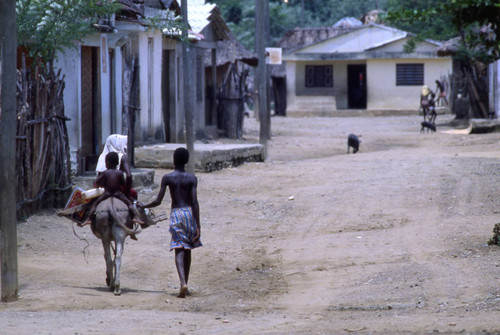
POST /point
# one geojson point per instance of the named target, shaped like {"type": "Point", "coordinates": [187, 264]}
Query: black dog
{"type": "Point", "coordinates": [353, 141]}
{"type": "Point", "coordinates": [426, 125]}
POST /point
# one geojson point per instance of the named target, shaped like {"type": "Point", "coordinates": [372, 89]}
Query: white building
{"type": "Point", "coordinates": [361, 66]}
{"type": "Point", "coordinates": [126, 70]}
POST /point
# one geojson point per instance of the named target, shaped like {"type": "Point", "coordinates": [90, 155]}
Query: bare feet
{"type": "Point", "coordinates": [183, 291]}
{"type": "Point", "coordinates": [135, 220]}
{"type": "Point", "coordinates": [89, 221]}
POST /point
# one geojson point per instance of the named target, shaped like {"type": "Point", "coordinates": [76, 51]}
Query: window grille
{"type": "Point", "coordinates": [319, 75]}
{"type": "Point", "coordinates": [409, 74]}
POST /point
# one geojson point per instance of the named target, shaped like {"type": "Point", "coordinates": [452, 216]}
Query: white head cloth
{"type": "Point", "coordinates": [114, 143]}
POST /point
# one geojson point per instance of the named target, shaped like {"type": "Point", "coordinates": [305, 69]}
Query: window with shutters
{"type": "Point", "coordinates": [319, 75]}
{"type": "Point", "coordinates": [409, 74]}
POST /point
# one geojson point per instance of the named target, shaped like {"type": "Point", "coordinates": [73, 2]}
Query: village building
{"type": "Point", "coordinates": [128, 74]}
{"type": "Point", "coordinates": [494, 84]}
{"type": "Point", "coordinates": [357, 66]}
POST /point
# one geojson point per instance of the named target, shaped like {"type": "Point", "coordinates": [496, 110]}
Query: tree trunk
{"type": "Point", "coordinates": [8, 222]}
{"type": "Point", "coordinates": [188, 87]}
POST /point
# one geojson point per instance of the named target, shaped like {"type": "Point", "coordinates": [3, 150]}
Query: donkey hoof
{"type": "Point", "coordinates": [117, 290]}
{"type": "Point", "coordinates": [108, 281]}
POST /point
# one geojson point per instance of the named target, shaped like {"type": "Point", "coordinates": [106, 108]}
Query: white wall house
{"type": "Point", "coordinates": [95, 97]}
{"type": "Point", "coordinates": [99, 76]}
{"type": "Point", "coordinates": [363, 67]}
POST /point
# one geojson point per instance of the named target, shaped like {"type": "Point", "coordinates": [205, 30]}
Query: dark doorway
{"type": "Point", "coordinates": [91, 107]}
{"type": "Point", "coordinates": [168, 91]}
{"type": "Point", "coordinates": [356, 86]}
{"type": "Point", "coordinates": [279, 89]}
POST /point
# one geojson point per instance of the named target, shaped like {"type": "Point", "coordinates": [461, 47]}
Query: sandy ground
{"type": "Point", "coordinates": [392, 239]}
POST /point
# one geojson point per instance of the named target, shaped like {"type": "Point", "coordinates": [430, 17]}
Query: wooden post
{"type": "Point", "coordinates": [131, 112]}
{"type": "Point", "coordinates": [267, 41]}
{"type": "Point", "coordinates": [260, 48]}
{"type": "Point", "coordinates": [213, 106]}
{"type": "Point", "coordinates": [188, 86]}
{"type": "Point", "coordinates": [8, 221]}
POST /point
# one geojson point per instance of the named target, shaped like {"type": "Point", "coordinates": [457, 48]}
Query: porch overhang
{"type": "Point", "coordinates": [305, 56]}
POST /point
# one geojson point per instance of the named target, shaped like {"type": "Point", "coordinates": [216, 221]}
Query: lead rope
{"type": "Point", "coordinates": [85, 254]}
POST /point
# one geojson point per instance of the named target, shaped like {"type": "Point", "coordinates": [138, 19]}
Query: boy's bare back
{"type": "Point", "coordinates": [182, 186]}
{"type": "Point", "coordinates": [111, 180]}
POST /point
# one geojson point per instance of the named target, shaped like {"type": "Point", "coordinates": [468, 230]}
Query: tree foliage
{"type": "Point", "coordinates": [284, 16]}
{"type": "Point", "coordinates": [477, 22]}
{"type": "Point", "coordinates": [438, 26]}
{"type": "Point", "coordinates": [45, 27]}
{"type": "Point", "coordinates": [48, 26]}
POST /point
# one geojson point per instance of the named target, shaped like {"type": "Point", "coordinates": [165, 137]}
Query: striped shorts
{"type": "Point", "coordinates": [183, 229]}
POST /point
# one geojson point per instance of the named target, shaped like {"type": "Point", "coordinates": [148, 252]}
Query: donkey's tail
{"type": "Point", "coordinates": [134, 231]}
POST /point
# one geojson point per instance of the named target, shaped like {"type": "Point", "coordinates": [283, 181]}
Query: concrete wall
{"type": "Point", "coordinates": [148, 68]}
{"type": "Point", "coordinates": [150, 122]}
{"type": "Point", "coordinates": [106, 113]}
{"type": "Point", "coordinates": [69, 63]}
{"type": "Point", "coordinates": [339, 89]}
{"type": "Point", "coordinates": [199, 94]}
{"type": "Point", "coordinates": [383, 94]}
{"type": "Point", "coordinates": [111, 101]}
{"type": "Point", "coordinates": [494, 95]}
{"type": "Point", "coordinates": [381, 83]}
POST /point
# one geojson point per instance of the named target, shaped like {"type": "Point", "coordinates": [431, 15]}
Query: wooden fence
{"type": "Point", "coordinates": [43, 165]}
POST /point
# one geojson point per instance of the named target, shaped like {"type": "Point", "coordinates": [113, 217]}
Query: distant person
{"type": "Point", "coordinates": [118, 143]}
{"type": "Point", "coordinates": [184, 216]}
{"type": "Point", "coordinates": [441, 92]}
{"type": "Point", "coordinates": [426, 100]}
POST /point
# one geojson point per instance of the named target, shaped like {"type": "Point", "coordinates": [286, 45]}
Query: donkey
{"type": "Point", "coordinates": [113, 224]}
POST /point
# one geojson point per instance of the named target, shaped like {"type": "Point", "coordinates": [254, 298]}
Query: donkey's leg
{"type": "Point", "coordinates": [119, 236]}
{"type": "Point", "coordinates": [109, 262]}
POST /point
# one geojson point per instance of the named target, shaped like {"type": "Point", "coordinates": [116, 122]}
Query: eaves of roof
{"type": "Point", "coordinates": [360, 55]}
{"type": "Point", "coordinates": [382, 44]}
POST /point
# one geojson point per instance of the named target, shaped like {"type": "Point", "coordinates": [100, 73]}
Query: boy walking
{"type": "Point", "coordinates": [184, 215]}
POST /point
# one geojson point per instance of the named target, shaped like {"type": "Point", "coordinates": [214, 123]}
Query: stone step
{"type": "Point", "coordinates": [208, 157]}
{"type": "Point", "coordinates": [312, 106]}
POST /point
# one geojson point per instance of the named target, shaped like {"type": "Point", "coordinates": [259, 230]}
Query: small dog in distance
{"type": "Point", "coordinates": [353, 141]}
{"type": "Point", "coordinates": [427, 126]}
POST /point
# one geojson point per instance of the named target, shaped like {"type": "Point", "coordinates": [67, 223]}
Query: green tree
{"type": "Point", "coordinates": [48, 26]}
{"type": "Point", "coordinates": [477, 23]}
{"type": "Point", "coordinates": [437, 27]}
{"type": "Point", "coordinates": [45, 27]}
{"type": "Point", "coordinates": [240, 15]}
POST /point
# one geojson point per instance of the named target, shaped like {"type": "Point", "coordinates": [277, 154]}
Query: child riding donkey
{"type": "Point", "coordinates": [113, 181]}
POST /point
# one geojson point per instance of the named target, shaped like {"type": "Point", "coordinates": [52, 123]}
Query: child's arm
{"type": "Point", "coordinates": [196, 209]}
{"type": "Point", "coordinates": [99, 181]}
{"type": "Point", "coordinates": [161, 194]}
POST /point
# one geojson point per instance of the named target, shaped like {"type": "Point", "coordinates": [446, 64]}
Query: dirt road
{"type": "Point", "coordinates": [392, 239]}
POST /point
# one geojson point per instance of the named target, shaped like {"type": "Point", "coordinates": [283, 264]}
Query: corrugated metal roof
{"type": "Point", "coordinates": [347, 22]}
{"type": "Point", "coordinates": [199, 14]}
